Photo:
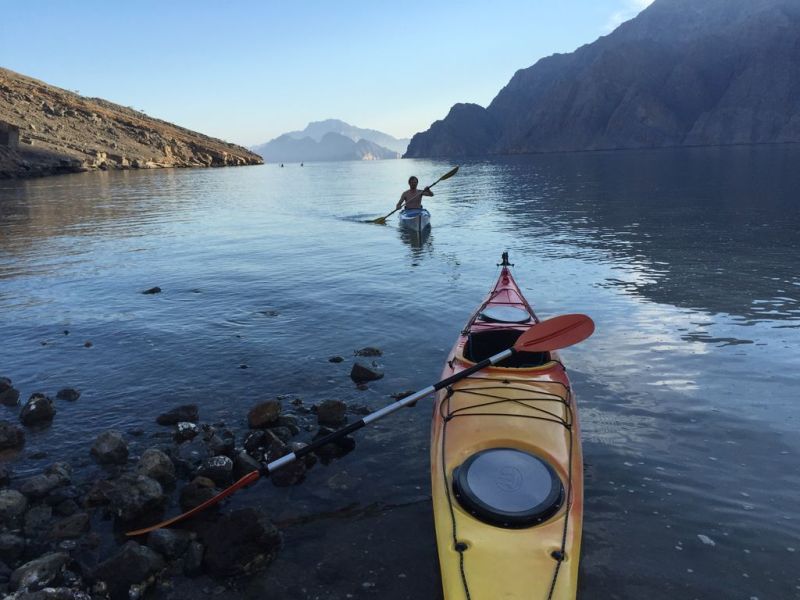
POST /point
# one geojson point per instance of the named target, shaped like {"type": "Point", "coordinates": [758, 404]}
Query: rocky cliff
{"type": "Point", "coordinates": [46, 130]}
{"type": "Point", "coordinates": [682, 73]}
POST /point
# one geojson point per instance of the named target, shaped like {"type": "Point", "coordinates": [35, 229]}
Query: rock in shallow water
{"type": "Point", "coordinates": [331, 412]}
{"type": "Point", "coordinates": [38, 410]}
{"type": "Point", "coordinates": [8, 394]}
{"type": "Point", "coordinates": [69, 394]}
{"type": "Point", "coordinates": [157, 465]}
{"type": "Point", "coordinates": [240, 542]}
{"type": "Point", "coordinates": [39, 573]}
{"type": "Point", "coordinates": [264, 414]}
{"type": "Point", "coordinates": [133, 496]}
{"type": "Point", "coordinates": [11, 436]}
{"type": "Point", "coordinates": [132, 565]}
{"type": "Point", "coordinates": [186, 412]}
{"type": "Point", "coordinates": [361, 373]}
{"type": "Point", "coordinates": [110, 448]}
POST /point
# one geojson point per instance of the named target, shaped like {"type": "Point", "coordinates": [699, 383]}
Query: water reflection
{"type": "Point", "coordinates": [710, 229]}
{"type": "Point", "coordinates": [685, 259]}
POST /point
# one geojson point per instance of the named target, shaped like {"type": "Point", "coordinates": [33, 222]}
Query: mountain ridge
{"type": "Point", "coordinates": [328, 140]}
{"type": "Point", "coordinates": [679, 74]}
{"type": "Point", "coordinates": [46, 130]}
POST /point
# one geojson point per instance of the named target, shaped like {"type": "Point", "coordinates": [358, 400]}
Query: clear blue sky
{"type": "Point", "coordinates": [249, 71]}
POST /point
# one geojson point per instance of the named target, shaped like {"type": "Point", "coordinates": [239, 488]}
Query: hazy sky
{"type": "Point", "coordinates": [249, 71]}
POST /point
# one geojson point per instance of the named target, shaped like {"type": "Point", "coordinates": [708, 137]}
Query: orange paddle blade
{"type": "Point", "coordinates": [555, 333]}
{"type": "Point", "coordinates": [246, 480]}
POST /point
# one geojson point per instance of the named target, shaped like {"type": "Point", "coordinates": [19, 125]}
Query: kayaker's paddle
{"type": "Point", "coordinates": [552, 334]}
{"type": "Point", "coordinates": [448, 175]}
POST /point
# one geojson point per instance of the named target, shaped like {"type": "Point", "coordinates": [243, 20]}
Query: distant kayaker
{"type": "Point", "coordinates": [413, 197]}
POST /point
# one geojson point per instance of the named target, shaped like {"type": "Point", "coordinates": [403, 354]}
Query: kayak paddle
{"type": "Point", "coordinates": [448, 175]}
{"type": "Point", "coordinates": [551, 334]}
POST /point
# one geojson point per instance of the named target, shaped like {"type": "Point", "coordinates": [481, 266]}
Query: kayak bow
{"type": "Point", "coordinates": [506, 464]}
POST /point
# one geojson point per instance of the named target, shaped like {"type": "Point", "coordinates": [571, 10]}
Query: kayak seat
{"type": "Point", "coordinates": [485, 344]}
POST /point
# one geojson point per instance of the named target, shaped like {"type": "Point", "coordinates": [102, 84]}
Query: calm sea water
{"type": "Point", "coordinates": [687, 260]}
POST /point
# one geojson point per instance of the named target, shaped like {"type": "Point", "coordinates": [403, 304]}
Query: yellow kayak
{"type": "Point", "coordinates": [506, 463]}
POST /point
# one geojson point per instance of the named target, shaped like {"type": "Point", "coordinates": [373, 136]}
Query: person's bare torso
{"type": "Point", "coordinates": [412, 198]}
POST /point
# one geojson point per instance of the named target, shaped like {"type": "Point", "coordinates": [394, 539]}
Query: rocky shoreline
{"type": "Point", "coordinates": [62, 530]}
{"type": "Point", "coordinates": [45, 130]}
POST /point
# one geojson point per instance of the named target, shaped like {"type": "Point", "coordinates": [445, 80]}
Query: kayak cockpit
{"type": "Point", "coordinates": [484, 344]}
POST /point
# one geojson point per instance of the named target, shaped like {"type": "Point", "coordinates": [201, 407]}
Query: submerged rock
{"type": "Point", "coordinates": [185, 412]}
{"type": "Point", "coordinates": [196, 492]}
{"type": "Point", "coordinates": [240, 542]}
{"type": "Point", "coordinates": [69, 394]}
{"type": "Point", "coordinates": [170, 543]}
{"type": "Point", "coordinates": [110, 448]}
{"type": "Point", "coordinates": [8, 394]}
{"type": "Point", "coordinates": [369, 351]}
{"type": "Point", "coordinates": [331, 412]}
{"type": "Point", "coordinates": [361, 373]}
{"type": "Point", "coordinates": [132, 565]}
{"type": "Point", "coordinates": [264, 414]}
{"type": "Point", "coordinates": [12, 506]}
{"type": "Point", "coordinates": [11, 436]}
{"type": "Point", "coordinates": [336, 448]}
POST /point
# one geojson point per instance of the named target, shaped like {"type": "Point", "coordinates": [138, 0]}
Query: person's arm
{"type": "Point", "coordinates": [427, 192]}
{"type": "Point", "coordinates": [400, 202]}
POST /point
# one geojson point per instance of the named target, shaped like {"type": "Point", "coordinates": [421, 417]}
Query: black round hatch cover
{"type": "Point", "coordinates": [505, 314]}
{"type": "Point", "coordinates": [507, 487]}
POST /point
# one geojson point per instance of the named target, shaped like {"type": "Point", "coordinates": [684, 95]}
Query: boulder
{"type": "Point", "coordinates": [133, 496]}
{"type": "Point", "coordinates": [369, 351]}
{"type": "Point", "coordinates": [189, 456]}
{"type": "Point", "coordinates": [218, 469]}
{"type": "Point", "coordinates": [11, 436]}
{"type": "Point", "coordinates": [38, 410]}
{"type": "Point", "coordinates": [240, 542]}
{"type": "Point", "coordinates": [193, 559]}
{"type": "Point", "coordinates": [185, 431]}
{"type": "Point", "coordinates": [69, 394]}
{"type": "Point", "coordinates": [157, 465]}
{"type": "Point", "coordinates": [264, 414]}
{"type": "Point", "coordinates": [222, 442]}
{"type": "Point", "coordinates": [38, 520]}
{"type": "Point", "coordinates": [39, 573]}
{"type": "Point", "coordinates": [331, 412]}
{"type": "Point", "coordinates": [333, 449]}
{"type": "Point", "coordinates": [9, 396]}
{"type": "Point", "coordinates": [11, 547]}
{"type": "Point", "coordinates": [132, 565]}
{"type": "Point", "coordinates": [12, 506]}
{"type": "Point", "coordinates": [70, 527]}
{"type": "Point", "coordinates": [196, 492]}
{"type": "Point", "coordinates": [39, 486]}
{"type": "Point", "coordinates": [170, 543]}
{"type": "Point", "coordinates": [110, 448]}
{"type": "Point", "coordinates": [361, 373]}
{"type": "Point", "coordinates": [243, 464]}
{"type": "Point", "coordinates": [186, 412]}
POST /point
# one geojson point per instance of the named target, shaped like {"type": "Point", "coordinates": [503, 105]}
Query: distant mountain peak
{"type": "Point", "coordinates": [327, 140]}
